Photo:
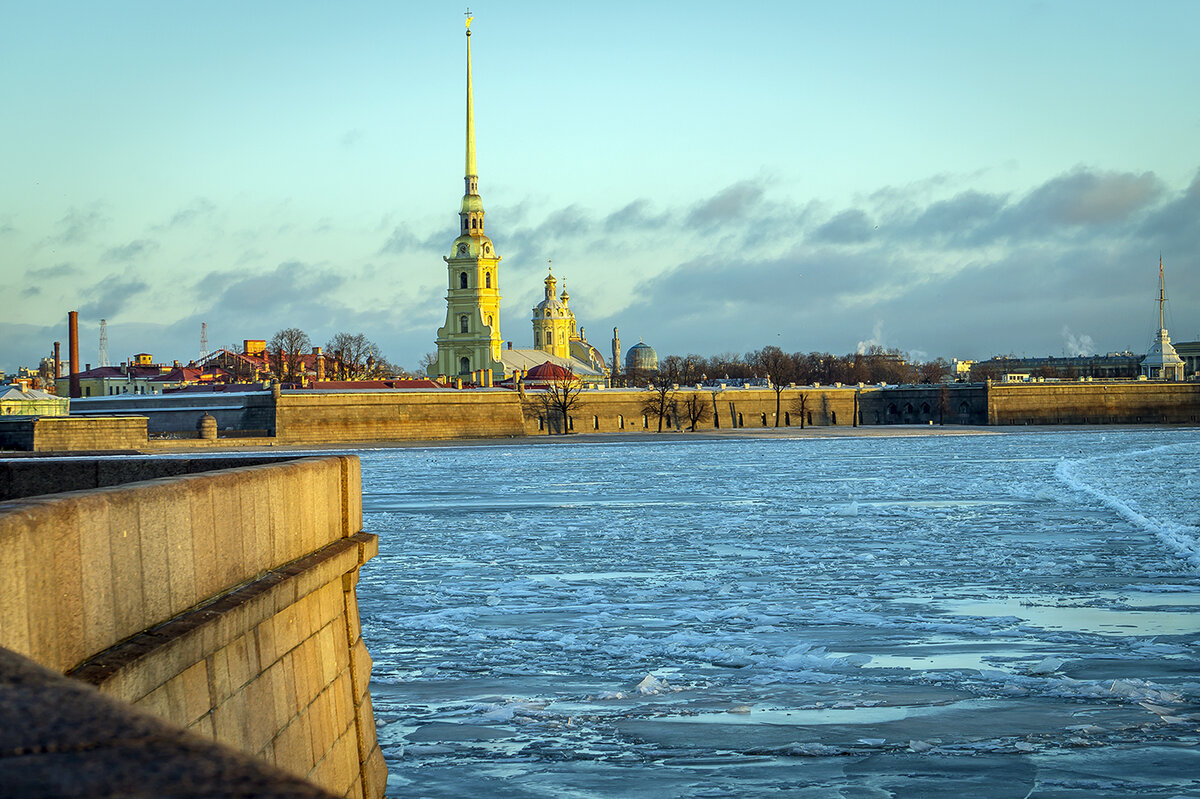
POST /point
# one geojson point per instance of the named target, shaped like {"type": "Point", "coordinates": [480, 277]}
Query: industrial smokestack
{"type": "Point", "coordinates": [73, 351]}
{"type": "Point", "coordinates": [57, 361]}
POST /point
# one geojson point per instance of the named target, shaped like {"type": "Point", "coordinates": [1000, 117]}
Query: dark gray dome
{"type": "Point", "coordinates": [642, 356]}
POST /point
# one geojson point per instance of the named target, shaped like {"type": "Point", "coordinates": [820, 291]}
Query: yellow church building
{"type": "Point", "coordinates": [469, 344]}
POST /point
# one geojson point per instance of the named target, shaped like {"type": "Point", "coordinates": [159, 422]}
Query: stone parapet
{"type": "Point", "coordinates": [73, 434]}
{"type": "Point", "coordinates": [222, 602]}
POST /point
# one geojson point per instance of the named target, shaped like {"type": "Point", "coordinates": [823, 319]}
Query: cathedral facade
{"type": "Point", "coordinates": [469, 344]}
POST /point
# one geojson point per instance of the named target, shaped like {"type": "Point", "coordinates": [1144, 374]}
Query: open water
{"type": "Point", "coordinates": [987, 616]}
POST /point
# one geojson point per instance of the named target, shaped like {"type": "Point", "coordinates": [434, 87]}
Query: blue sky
{"type": "Point", "coordinates": [954, 179]}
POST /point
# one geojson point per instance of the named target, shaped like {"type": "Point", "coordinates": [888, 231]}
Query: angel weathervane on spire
{"type": "Point", "coordinates": [469, 18]}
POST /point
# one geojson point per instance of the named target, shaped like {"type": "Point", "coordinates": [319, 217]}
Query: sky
{"type": "Point", "coordinates": [950, 179]}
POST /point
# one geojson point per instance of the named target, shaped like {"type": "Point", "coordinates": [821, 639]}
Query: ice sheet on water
{"type": "Point", "coordinates": [729, 574]}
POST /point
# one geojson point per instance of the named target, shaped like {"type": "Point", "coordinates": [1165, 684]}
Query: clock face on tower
{"type": "Point", "coordinates": [462, 249]}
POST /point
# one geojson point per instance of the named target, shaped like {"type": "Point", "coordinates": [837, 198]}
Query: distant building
{"type": "Point", "coordinates": [19, 399]}
{"type": "Point", "coordinates": [1162, 362]}
{"type": "Point", "coordinates": [1113, 366]}
{"type": "Point", "coordinates": [641, 358]}
{"type": "Point", "coordinates": [469, 344]}
{"type": "Point", "coordinates": [1189, 351]}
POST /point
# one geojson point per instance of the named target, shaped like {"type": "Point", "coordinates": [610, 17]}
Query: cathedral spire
{"type": "Point", "coordinates": [471, 215]}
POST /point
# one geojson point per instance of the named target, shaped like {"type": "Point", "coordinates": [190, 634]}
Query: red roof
{"type": "Point", "coordinates": [547, 371]}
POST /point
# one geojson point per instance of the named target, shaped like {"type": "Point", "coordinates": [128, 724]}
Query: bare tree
{"type": "Point", "coordinates": [800, 406]}
{"type": "Point", "coordinates": [660, 398]}
{"type": "Point", "coordinates": [696, 407]}
{"type": "Point", "coordinates": [943, 404]}
{"type": "Point", "coordinates": [351, 352]}
{"type": "Point", "coordinates": [779, 367]}
{"type": "Point", "coordinates": [428, 361]}
{"type": "Point", "coordinates": [557, 401]}
{"type": "Point", "coordinates": [284, 352]}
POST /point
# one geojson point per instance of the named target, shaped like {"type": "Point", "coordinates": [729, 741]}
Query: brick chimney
{"type": "Point", "coordinates": [73, 351]}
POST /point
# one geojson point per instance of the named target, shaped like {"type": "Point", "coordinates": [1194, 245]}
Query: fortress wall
{"type": "Point", "coordinates": [621, 410]}
{"type": "Point", "coordinates": [73, 434]}
{"type": "Point", "coordinates": [954, 403]}
{"type": "Point", "coordinates": [311, 418]}
{"type": "Point", "coordinates": [223, 602]}
{"type": "Point", "coordinates": [1093, 403]}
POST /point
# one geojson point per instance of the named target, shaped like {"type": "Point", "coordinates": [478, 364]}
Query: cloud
{"type": "Point", "coordinates": [51, 272]}
{"type": "Point", "coordinates": [956, 220]}
{"type": "Point", "coordinates": [402, 240]}
{"type": "Point", "coordinates": [77, 225]}
{"type": "Point", "coordinates": [351, 138]}
{"type": "Point", "coordinates": [634, 216]}
{"type": "Point", "coordinates": [1092, 198]}
{"type": "Point", "coordinates": [848, 227]}
{"type": "Point", "coordinates": [731, 204]}
{"type": "Point", "coordinates": [31, 291]}
{"type": "Point", "coordinates": [107, 298]}
{"type": "Point", "coordinates": [292, 287]}
{"type": "Point", "coordinates": [132, 251]}
{"type": "Point", "coordinates": [196, 209]}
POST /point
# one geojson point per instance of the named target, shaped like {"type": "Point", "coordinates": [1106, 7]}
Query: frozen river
{"type": "Point", "coordinates": [987, 616]}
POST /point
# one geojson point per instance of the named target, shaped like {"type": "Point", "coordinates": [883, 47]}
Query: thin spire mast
{"type": "Point", "coordinates": [1162, 295]}
{"type": "Point", "coordinates": [471, 169]}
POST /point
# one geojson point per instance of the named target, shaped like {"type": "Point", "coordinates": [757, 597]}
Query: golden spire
{"type": "Point", "coordinates": [471, 169]}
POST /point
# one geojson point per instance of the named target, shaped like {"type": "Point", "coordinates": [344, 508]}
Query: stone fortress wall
{"type": "Point", "coordinates": [222, 602]}
{"type": "Point", "coordinates": [322, 417]}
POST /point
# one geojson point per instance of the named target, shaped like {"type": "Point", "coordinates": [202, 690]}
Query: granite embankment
{"type": "Point", "coordinates": [221, 602]}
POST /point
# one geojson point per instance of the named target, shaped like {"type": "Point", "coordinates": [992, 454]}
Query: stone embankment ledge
{"type": "Point", "coordinates": [222, 602]}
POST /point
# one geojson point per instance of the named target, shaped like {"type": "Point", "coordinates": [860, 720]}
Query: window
{"type": "Point", "coordinates": [462, 280]}
{"type": "Point", "coordinates": [549, 337]}
{"type": "Point", "coordinates": [464, 366]}
{"type": "Point", "coordinates": [595, 422]}
{"type": "Point", "coordinates": [810, 418]}
{"type": "Point", "coordinates": [462, 323]}
{"type": "Point", "coordinates": [645, 421]}
{"type": "Point", "coordinates": [487, 279]}
{"type": "Point", "coordinates": [489, 320]}
{"type": "Point", "coordinates": [764, 419]}
{"type": "Point", "coordinates": [537, 338]}
{"type": "Point", "coordinates": [620, 421]}
{"type": "Point", "coordinates": [541, 423]}
{"type": "Point", "coordinates": [833, 417]}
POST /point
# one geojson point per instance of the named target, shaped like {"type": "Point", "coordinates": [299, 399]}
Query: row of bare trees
{"type": "Point", "coordinates": [873, 365]}
{"type": "Point", "coordinates": [348, 356]}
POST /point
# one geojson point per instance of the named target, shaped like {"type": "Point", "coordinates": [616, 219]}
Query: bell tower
{"type": "Point", "coordinates": [470, 339]}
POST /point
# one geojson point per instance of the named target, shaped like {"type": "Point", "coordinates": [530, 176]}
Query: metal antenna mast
{"type": "Point", "coordinates": [103, 342]}
{"type": "Point", "coordinates": [203, 340]}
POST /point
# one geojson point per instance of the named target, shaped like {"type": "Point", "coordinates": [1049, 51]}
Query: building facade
{"type": "Point", "coordinates": [470, 342]}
